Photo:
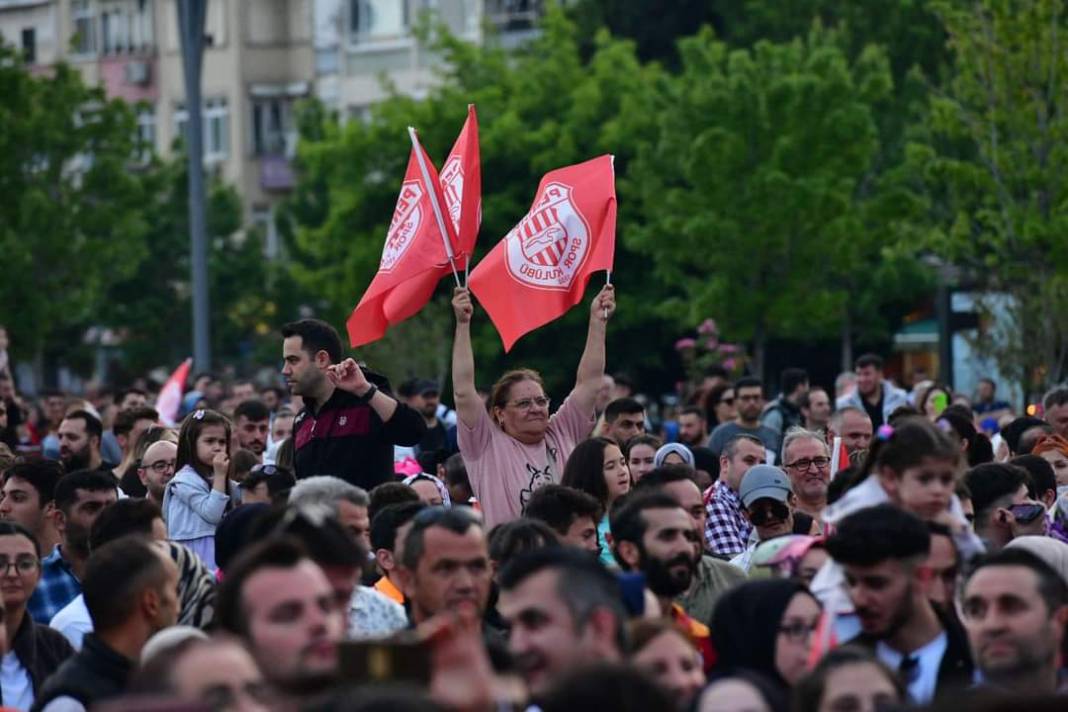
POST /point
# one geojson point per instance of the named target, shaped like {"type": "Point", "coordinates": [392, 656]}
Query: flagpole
{"type": "Point", "coordinates": [432, 190]}
{"type": "Point", "coordinates": [607, 282]}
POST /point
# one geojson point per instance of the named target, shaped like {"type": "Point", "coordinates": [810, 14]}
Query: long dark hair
{"type": "Point", "coordinates": [192, 427]}
{"type": "Point", "coordinates": [585, 469]}
{"type": "Point", "coordinates": [905, 444]}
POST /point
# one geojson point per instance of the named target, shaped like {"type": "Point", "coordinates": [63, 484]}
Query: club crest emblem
{"type": "Point", "coordinates": [452, 188]}
{"type": "Point", "coordinates": [549, 245]}
{"type": "Point", "coordinates": [342, 420]}
{"type": "Point", "coordinates": [407, 217]}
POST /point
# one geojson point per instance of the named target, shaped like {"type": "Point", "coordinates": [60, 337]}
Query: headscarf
{"type": "Point", "coordinates": [745, 625]}
{"type": "Point", "coordinates": [196, 588]}
{"type": "Point", "coordinates": [677, 448]}
{"type": "Point", "coordinates": [443, 490]}
{"type": "Point", "coordinates": [1051, 443]}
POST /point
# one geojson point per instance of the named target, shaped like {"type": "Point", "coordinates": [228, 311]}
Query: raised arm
{"type": "Point", "coordinates": [468, 404]}
{"type": "Point", "coordinates": [591, 367]}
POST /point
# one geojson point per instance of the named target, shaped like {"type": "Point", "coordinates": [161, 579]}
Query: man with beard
{"type": "Point", "coordinates": [157, 469]}
{"type": "Point", "coordinates": [1015, 608]}
{"type": "Point", "coordinates": [424, 396]}
{"type": "Point", "coordinates": [693, 428]}
{"type": "Point", "coordinates": [749, 398]}
{"type": "Point", "coordinates": [79, 498]}
{"type": "Point", "coordinates": [252, 422]}
{"type": "Point", "coordinates": [564, 612]}
{"type": "Point", "coordinates": [79, 436]}
{"type": "Point", "coordinates": [883, 551]}
{"type": "Point", "coordinates": [816, 409]}
{"type": "Point", "coordinates": [874, 395]}
{"type": "Point", "coordinates": [653, 534]}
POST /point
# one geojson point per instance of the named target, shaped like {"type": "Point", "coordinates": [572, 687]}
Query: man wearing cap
{"type": "Point", "coordinates": [768, 502]}
{"type": "Point", "coordinates": [424, 395]}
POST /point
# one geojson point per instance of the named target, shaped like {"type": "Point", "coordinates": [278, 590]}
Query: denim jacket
{"type": "Point", "coordinates": [191, 508]}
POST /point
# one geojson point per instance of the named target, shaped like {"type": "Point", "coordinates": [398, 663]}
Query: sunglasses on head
{"type": "Point", "coordinates": [1027, 513]}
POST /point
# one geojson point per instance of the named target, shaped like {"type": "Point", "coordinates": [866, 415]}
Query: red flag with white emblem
{"type": "Point", "coordinates": [461, 185]}
{"type": "Point", "coordinates": [415, 257]}
{"type": "Point", "coordinates": [169, 402]}
{"type": "Point", "coordinates": [540, 269]}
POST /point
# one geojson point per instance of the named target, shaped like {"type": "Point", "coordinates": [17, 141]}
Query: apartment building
{"type": "Point", "coordinates": [259, 61]}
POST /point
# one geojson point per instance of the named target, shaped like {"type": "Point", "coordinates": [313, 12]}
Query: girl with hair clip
{"type": "Point", "coordinates": [913, 464]}
{"type": "Point", "coordinates": [199, 494]}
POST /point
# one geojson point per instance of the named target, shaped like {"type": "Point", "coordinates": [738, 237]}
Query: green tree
{"type": "Point", "coordinates": [756, 194]}
{"type": "Point", "coordinates": [71, 220]}
{"type": "Point", "coordinates": [990, 160]}
{"type": "Point", "coordinates": [540, 107]}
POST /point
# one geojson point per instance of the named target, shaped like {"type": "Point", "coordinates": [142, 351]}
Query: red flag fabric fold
{"type": "Point", "coordinates": [169, 402]}
{"type": "Point", "coordinates": [540, 269]}
{"type": "Point", "coordinates": [461, 185]}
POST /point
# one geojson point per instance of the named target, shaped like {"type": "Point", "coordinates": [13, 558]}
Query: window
{"type": "Point", "coordinates": [146, 132]}
{"type": "Point", "coordinates": [272, 123]}
{"type": "Point", "coordinates": [263, 220]}
{"type": "Point", "coordinates": [83, 22]}
{"type": "Point", "coordinates": [215, 118]}
{"type": "Point", "coordinates": [379, 20]}
{"type": "Point", "coordinates": [511, 15]}
{"type": "Point", "coordinates": [29, 45]}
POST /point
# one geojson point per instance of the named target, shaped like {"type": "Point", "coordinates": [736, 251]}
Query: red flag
{"type": "Point", "coordinates": [169, 402]}
{"type": "Point", "coordinates": [461, 185]}
{"type": "Point", "coordinates": [540, 269]}
{"type": "Point", "coordinates": [414, 257]}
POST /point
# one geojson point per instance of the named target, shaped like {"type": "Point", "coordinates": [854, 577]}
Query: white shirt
{"type": "Point", "coordinates": [73, 621]}
{"type": "Point", "coordinates": [922, 685]}
{"type": "Point", "coordinates": [15, 682]}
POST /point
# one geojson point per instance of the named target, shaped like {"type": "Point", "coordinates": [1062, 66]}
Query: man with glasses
{"type": "Point", "coordinates": [807, 461]}
{"type": "Point", "coordinates": [156, 469]}
{"type": "Point", "coordinates": [883, 551]}
{"type": "Point", "coordinates": [749, 398]}
{"type": "Point", "coordinates": [34, 651]}
{"type": "Point", "coordinates": [445, 564]}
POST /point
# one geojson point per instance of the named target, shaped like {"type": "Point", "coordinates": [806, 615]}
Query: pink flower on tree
{"type": "Point", "coordinates": [708, 326]}
{"type": "Point", "coordinates": [728, 349]}
{"type": "Point", "coordinates": [684, 344]}
{"type": "Point", "coordinates": [729, 364]}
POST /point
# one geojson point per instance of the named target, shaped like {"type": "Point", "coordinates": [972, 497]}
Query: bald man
{"type": "Point", "coordinates": [157, 469]}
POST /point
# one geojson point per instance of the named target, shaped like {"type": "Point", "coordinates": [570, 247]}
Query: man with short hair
{"type": "Point", "coordinates": [131, 590]}
{"type": "Point", "coordinates": [564, 612]}
{"type": "Point", "coordinates": [749, 397]}
{"type": "Point", "coordinates": [1015, 608]}
{"type": "Point", "coordinates": [130, 398]}
{"type": "Point", "coordinates": [652, 534]}
{"type": "Point", "coordinates": [389, 529]}
{"type": "Point", "coordinates": [1055, 409]}
{"type": "Point", "coordinates": [944, 563]}
{"type": "Point", "coordinates": [883, 550]}
{"type": "Point", "coordinates": [784, 412]}
{"type": "Point", "coordinates": [727, 530]}
{"type": "Point", "coordinates": [424, 396]}
{"type": "Point", "coordinates": [157, 469]}
{"type": "Point", "coordinates": [1002, 506]}
{"type": "Point", "coordinates": [986, 402]}
{"type": "Point", "coordinates": [347, 503]}
{"type": "Point", "coordinates": [571, 514]}
{"type": "Point", "coordinates": [79, 436]}
{"type": "Point", "coordinates": [623, 419]}
{"type": "Point", "coordinates": [252, 423]}
{"type": "Point", "coordinates": [693, 428]}
{"type": "Point", "coordinates": [128, 426]}
{"type": "Point", "coordinates": [806, 459]}
{"type": "Point", "coordinates": [279, 602]}
{"type": "Point", "coordinates": [29, 499]}
{"type": "Point", "coordinates": [713, 576]}
{"type": "Point", "coordinates": [79, 498]}
{"type": "Point", "coordinates": [816, 409]}
{"type": "Point", "coordinates": [874, 395]}
{"type": "Point", "coordinates": [853, 426]}
{"type": "Point", "coordinates": [126, 399]}
{"type": "Point", "coordinates": [445, 563]}
{"type": "Point", "coordinates": [768, 503]}
{"type": "Point", "coordinates": [349, 423]}
{"type": "Point", "coordinates": [243, 390]}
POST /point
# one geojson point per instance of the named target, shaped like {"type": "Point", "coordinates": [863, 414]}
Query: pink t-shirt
{"type": "Point", "coordinates": [504, 472]}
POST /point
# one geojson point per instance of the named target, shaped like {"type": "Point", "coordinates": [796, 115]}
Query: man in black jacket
{"type": "Point", "coordinates": [883, 551]}
{"type": "Point", "coordinates": [38, 650]}
{"type": "Point", "coordinates": [350, 422]}
{"type": "Point", "coordinates": [131, 591]}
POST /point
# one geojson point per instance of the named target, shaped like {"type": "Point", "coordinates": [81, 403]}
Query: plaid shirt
{"type": "Point", "coordinates": [727, 530]}
{"type": "Point", "coordinates": [57, 587]}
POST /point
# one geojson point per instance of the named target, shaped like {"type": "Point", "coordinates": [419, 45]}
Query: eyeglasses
{"type": "Point", "coordinates": [22, 564]}
{"type": "Point", "coordinates": [820, 463]}
{"type": "Point", "coordinates": [799, 632]}
{"type": "Point", "coordinates": [160, 466]}
{"type": "Point", "coordinates": [775, 511]}
{"type": "Point", "coordinates": [528, 403]}
{"type": "Point", "coordinates": [1027, 513]}
{"type": "Point", "coordinates": [727, 401]}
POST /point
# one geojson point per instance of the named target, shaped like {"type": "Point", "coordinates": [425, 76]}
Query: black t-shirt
{"type": "Point", "coordinates": [436, 438]}
{"type": "Point", "coordinates": [875, 412]}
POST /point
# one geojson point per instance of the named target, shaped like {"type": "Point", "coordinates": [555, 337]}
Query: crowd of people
{"type": "Point", "coordinates": [338, 544]}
